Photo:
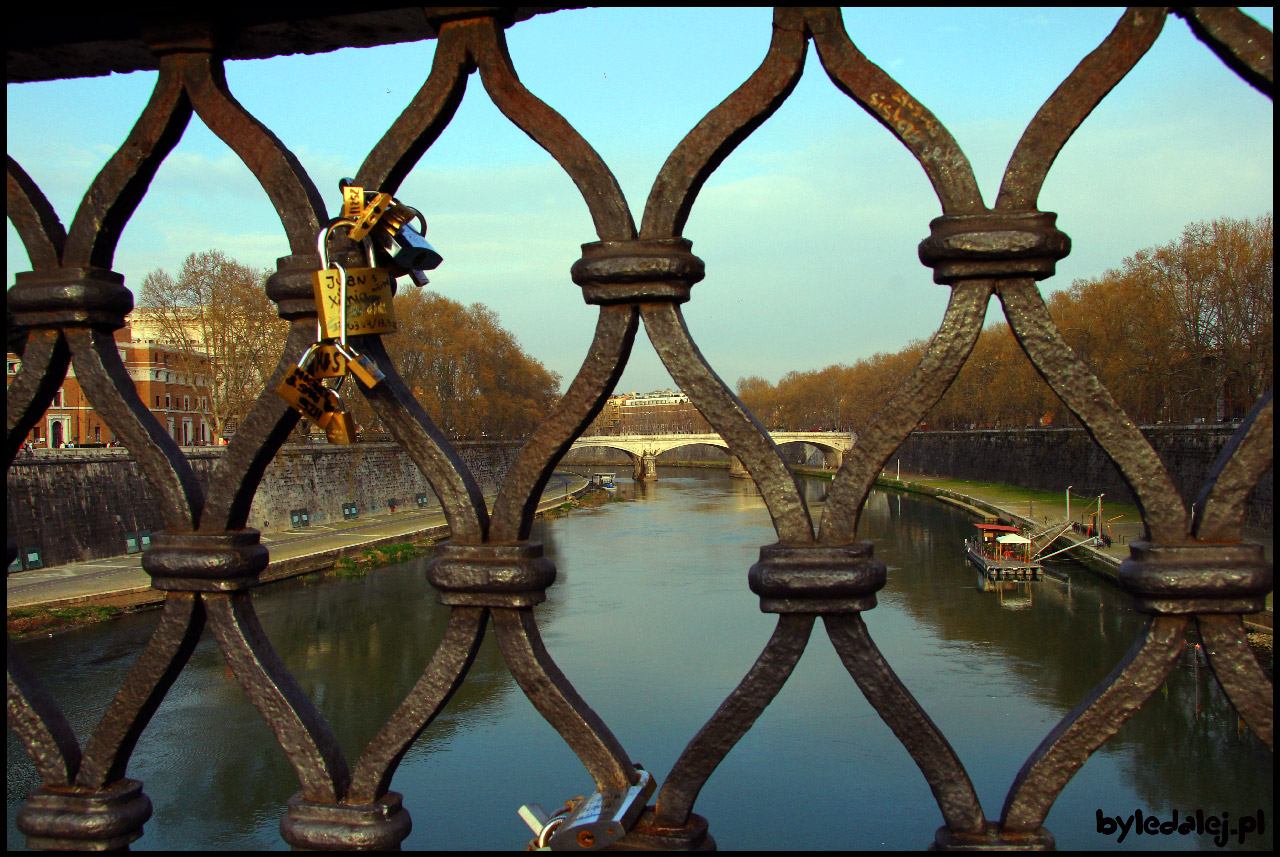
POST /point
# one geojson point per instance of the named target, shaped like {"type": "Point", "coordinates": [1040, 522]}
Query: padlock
{"type": "Point", "coordinates": [408, 249]}
{"type": "Point", "coordinates": [340, 426]}
{"type": "Point", "coordinates": [354, 301]}
{"type": "Point", "coordinates": [603, 818]}
{"type": "Point", "coordinates": [352, 199]}
{"type": "Point", "coordinates": [369, 216]}
{"type": "Point", "coordinates": [360, 365]}
{"type": "Point", "coordinates": [328, 361]}
{"type": "Point", "coordinates": [303, 392]}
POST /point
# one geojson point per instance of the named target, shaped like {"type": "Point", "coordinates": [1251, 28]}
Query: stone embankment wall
{"type": "Point", "coordinates": [78, 504]}
{"type": "Point", "coordinates": [1051, 459]}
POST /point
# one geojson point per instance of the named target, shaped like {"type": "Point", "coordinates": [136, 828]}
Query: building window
{"type": "Point", "coordinates": [186, 403]}
{"type": "Point", "coordinates": [157, 401]}
{"type": "Point", "coordinates": [167, 404]}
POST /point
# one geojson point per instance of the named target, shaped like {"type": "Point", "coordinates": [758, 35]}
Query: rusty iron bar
{"type": "Point", "coordinates": [67, 307]}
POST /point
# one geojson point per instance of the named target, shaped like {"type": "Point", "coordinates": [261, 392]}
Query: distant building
{"type": "Point", "coordinates": [176, 394]}
{"type": "Point", "coordinates": [659, 412]}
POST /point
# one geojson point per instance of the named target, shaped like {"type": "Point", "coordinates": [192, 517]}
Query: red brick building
{"type": "Point", "coordinates": [179, 399]}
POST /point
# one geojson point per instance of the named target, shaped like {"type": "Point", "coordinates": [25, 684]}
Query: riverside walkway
{"type": "Point", "coordinates": [119, 581]}
{"type": "Point", "coordinates": [1031, 508]}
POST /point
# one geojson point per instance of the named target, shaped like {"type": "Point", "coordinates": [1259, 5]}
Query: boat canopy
{"type": "Point", "coordinates": [1013, 539]}
{"type": "Point", "coordinates": [1003, 528]}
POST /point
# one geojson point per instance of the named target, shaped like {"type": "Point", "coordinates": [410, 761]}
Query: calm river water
{"type": "Point", "coordinates": [652, 620]}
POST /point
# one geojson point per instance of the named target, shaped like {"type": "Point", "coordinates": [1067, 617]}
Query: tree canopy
{"type": "Point", "coordinates": [1177, 333]}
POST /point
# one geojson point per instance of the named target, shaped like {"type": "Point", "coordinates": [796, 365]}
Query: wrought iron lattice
{"type": "Point", "coordinates": [1191, 565]}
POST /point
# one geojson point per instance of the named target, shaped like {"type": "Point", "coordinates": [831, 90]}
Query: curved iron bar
{"type": "Point", "coordinates": [1095, 719]}
{"type": "Point", "coordinates": [1242, 43]}
{"type": "Point", "coordinates": [1162, 508]}
{"type": "Point", "coordinates": [942, 769]}
{"type": "Point", "coordinates": [44, 367]}
{"type": "Point", "coordinates": [1238, 672]}
{"type": "Point", "coordinates": [1218, 514]}
{"type": "Point", "coordinates": [39, 723]}
{"type": "Point", "coordinates": [42, 233]}
{"type": "Point", "coordinates": [299, 205]}
{"type": "Point", "coordinates": [712, 140]}
{"type": "Point", "coordinates": [747, 439]}
{"type": "Point", "coordinates": [943, 358]}
{"type": "Point", "coordinates": [257, 440]}
{"type": "Point", "coordinates": [948, 169]}
{"type": "Point", "coordinates": [106, 755]}
{"type": "Point", "coordinates": [460, 496]}
{"type": "Point", "coordinates": [558, 702]}
{"type": "Point", "coordinates": [449, 665]}
{"type": "Point", "coordinates": [1073, 100]}
{"type": "Point", "coordinates": [521, 490]}
{"type": "Point", "coordinates": [121, 183]}
{"type": "Point", "coordinates": [547, 128]}
{"type": "Point", "coordinates": [426, 117]}
{"type": "Point", "coordinates": [732, 719]}
{"type": "Point", "coordinates": [107, 385]}
{"type": "Point", "coordinates": [299, 727]}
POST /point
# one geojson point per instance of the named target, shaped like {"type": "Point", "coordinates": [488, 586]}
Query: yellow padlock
{"type": "Point", "coordinates": [328, 361]}
{"type": "Point", "coordinates": [340, 428]}
{"type": "Point", "coordinates": [369, 216]}
{"type": "Point", "coordinates": [352, 202]}
{"type": "Point", "coordinates": [354, 301]}
{"type": "Point", "coordinates": [305, 394]}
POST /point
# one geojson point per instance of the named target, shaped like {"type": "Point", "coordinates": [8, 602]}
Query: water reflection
{"type": "Point", "coordinates": [652, 620]}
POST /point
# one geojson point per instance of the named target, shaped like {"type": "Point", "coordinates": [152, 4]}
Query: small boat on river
{"type": "Point", "coordinates": [1002, 552]}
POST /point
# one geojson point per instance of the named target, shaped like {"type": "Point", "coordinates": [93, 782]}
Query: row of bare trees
{"type": "Point", "coordinates": [469, 373]}
{"type": "Point", "coordinates": [1182, 332]}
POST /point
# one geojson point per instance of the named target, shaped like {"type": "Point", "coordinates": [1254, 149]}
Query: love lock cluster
{"type": "Point", "coordinates": [355, 302]}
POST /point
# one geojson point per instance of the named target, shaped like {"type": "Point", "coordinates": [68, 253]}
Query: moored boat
{"type": "Point", "coordinates": [1002, 552]}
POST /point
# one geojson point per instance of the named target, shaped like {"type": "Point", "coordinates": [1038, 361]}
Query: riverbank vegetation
{"type": "Point", "coordinates": [25, 622]}
{"type": "Point", "coordinates": [1179, 333]}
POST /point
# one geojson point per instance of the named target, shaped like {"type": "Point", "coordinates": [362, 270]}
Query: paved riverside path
{"type": "Point", "coordinates": [120, 579]}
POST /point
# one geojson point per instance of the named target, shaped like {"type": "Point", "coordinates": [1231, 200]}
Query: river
{"type": "Point", "coordinates": [652, 620]}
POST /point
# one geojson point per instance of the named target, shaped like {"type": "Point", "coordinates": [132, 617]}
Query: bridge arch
{"type": "Point", "coordinates": [644, 449]}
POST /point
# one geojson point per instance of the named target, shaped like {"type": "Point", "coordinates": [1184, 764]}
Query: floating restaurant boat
{"type": "Point", "coordinates": [1002, 552]}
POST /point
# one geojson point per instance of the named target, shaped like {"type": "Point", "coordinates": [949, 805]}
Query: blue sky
{"type": "Point", "coordinates": [809, 230]}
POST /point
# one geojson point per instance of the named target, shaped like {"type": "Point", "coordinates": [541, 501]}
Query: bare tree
{"type": "Point", "coordinates": [218, 309]}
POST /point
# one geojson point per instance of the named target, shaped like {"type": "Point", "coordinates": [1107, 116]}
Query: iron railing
{"type": "Point", "coordinates": [1191, 567]}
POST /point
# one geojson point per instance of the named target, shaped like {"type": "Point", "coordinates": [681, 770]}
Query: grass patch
{"type": "Point", "coordinates": [29, 621]}
{"type": "Point", "coordinates": [382, 555]}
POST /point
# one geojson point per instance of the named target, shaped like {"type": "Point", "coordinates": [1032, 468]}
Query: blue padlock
{"type": "Point", "coordinates": [408, 248]}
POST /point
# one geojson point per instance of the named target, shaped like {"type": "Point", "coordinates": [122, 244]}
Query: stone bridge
{"type": "Point", "coordinates": [644, 449]}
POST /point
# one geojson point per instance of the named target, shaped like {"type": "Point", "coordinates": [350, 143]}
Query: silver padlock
{"type": "Point", "coordinates": [603, 818]}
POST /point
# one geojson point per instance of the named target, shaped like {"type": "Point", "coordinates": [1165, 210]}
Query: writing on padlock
{"type": "Point", "coordinates": [303, 392]}
{"type": "Point", "coordinates": [353, 301]}
{"type": "Point", "coordinates": [596, 822]}
{"type": "Point", "coordinates": [326, 361]}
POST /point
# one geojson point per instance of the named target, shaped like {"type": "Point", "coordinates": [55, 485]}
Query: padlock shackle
{"type": "Point", "coordinates": [322, 248]}
{"type": "Point", "coordinates": [322, 242]}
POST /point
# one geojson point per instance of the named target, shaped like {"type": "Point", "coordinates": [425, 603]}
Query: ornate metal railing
{"type": "Point", "coordinates": [1192, 566]}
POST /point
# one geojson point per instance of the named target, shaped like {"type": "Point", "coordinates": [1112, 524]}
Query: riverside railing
{"type": "Point", "coordinates": [1192, 566]}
